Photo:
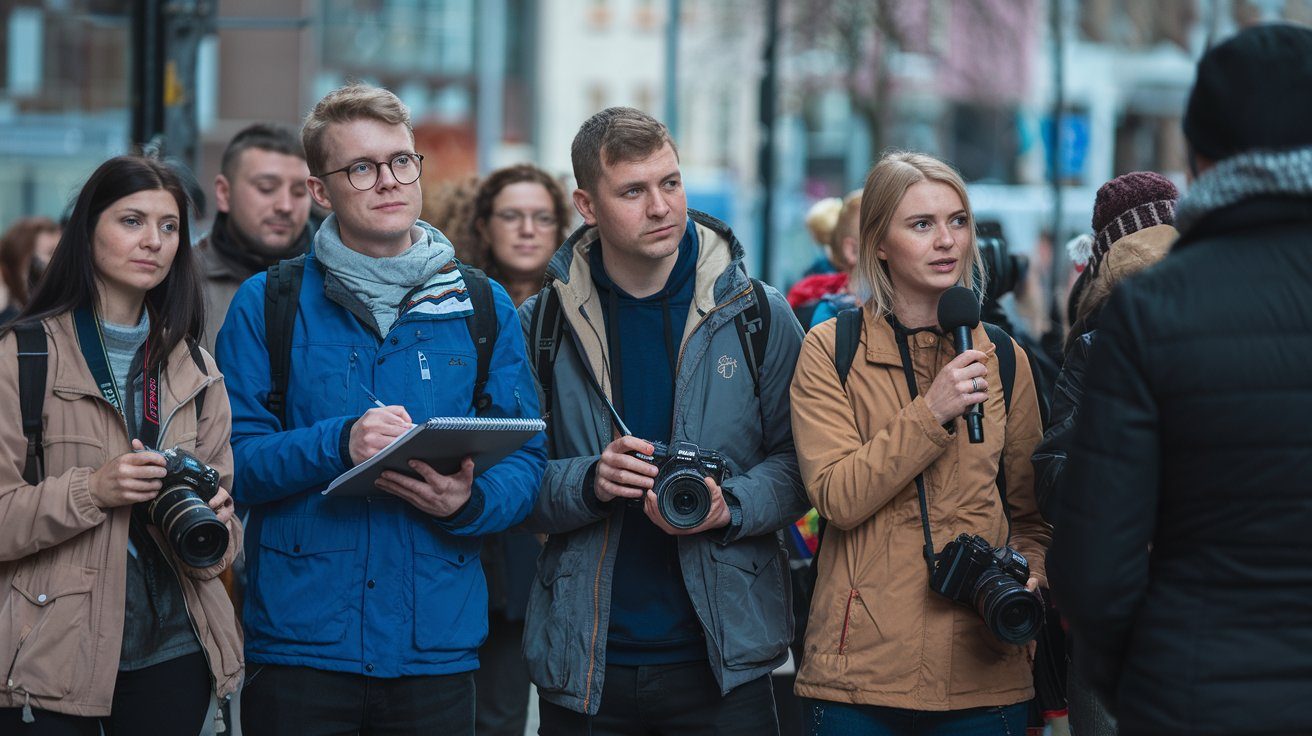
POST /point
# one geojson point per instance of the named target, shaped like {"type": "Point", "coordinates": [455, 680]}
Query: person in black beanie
{"type": "Point", "coordinates": [1181, 557]}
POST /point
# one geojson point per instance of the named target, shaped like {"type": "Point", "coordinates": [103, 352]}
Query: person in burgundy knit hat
{"type": "Point", "coordinates": [1133, 218]}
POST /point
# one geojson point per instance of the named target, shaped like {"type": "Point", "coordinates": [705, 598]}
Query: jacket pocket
{"type": "Point", "coordinates": [450, 591]}
{"type": "Point", "coordinates": [300, 559]}
{"type": "Point", "coordinates": [49, 612]}
{"type": "Point", "coordinates": [549, 626]}
{"type": "Point", "coordinates": [753, 601]}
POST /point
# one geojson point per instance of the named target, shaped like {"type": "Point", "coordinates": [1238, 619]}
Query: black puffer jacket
{"type": "Point", "coordinates": [1050, 456]}
{"type": "Point", "coordinates": [1183, 555]}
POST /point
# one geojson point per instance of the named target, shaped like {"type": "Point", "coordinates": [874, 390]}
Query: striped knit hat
{"type": "Point", "coordinates": [1129, 203]}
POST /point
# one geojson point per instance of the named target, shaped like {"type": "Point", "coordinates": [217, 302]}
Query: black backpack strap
{"type": "Point", "coordinates": [199, 360]}
{"type": "Point", "coordinates": [33, 358]}
{"type": "Point", "coordinates": [753, 325]}
{"type": "Point", "coordinates": [1005, 352]}
{"type": "Point", "coordinates": [483, 331]}
{"type": "Point", "coordinates": [282, 295]}
{"type": "Point", "coordinates": [545, 330]}
{"type": "Point", "coordinates": [847, 339]}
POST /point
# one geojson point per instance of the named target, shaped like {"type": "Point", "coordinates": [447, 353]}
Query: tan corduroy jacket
{"type": "Point", "coordinates": [877, 634]}
{"type": "Point", "coordinates": [63, 560]}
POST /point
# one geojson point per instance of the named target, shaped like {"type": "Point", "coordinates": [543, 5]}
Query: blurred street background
{"type": "Point", "coordinates": [774, 103]}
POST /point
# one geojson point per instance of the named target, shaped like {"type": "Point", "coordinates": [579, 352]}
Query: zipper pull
{"type": "Point", "coordinates": [27, 709]}
{"type": "Point", "coordinates": [424, 373]}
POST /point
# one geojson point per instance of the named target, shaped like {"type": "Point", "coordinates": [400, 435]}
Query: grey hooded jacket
{"type": "Point", "coordinates": [737, 577]}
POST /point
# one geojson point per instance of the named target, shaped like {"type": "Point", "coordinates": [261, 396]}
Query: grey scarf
{"type": "Point", "coordinates": [381, 283]}
{"type": "Point", "coordinates": [1245, 176]}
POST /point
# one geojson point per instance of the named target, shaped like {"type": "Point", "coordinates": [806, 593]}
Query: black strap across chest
{"type": "Point", "coordinates": [92, 342]}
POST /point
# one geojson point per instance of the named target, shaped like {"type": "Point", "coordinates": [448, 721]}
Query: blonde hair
{"type": "Point", "coordinates": [822, 218]}
{"type": "Point", "coordinates": [346, 104]}
{"type": "Point", "coordinates": [887, 183]}
{"type": "Point", "coordinates": [848, 222]}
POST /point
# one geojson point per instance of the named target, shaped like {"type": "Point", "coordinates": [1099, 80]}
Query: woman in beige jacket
{"type": "Point", "coordinates": [884, 654]}
{"type": "Point", "coordinates": [103, 623]}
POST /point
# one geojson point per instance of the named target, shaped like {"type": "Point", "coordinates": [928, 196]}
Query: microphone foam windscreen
{"type": "Point", "coordinates": [958, 307]}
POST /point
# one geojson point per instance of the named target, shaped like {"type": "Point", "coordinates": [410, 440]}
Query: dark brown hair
{"type": "Point", "coordinates": [615, 134]}
{"type": "Point", "coordinates": [175, 306]}
{"type": "Point", "coordinates": [262, 136]}
{"type": "Point", "coordinates": [477, 250]}
{"type": "Point", "coordinates": [17, 247]}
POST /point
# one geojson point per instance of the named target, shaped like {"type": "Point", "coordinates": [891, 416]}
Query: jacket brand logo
{"type": "Point", "coordinates": [725, 366]}
{"type": "Point", "coordinates": [455, 361]}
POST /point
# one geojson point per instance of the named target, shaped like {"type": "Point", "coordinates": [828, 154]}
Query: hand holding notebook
{"type": "Point", "coordinates": [442, 442]}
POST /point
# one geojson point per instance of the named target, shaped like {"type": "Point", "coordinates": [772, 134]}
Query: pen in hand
{"type": "Point", "coordinates": [380, 404]}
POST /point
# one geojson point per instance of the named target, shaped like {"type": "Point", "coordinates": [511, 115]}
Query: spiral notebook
{"type": "Point", "coordinates": [441, 442]}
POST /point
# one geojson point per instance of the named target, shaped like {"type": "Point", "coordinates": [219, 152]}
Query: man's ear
{"type": "Point", "coordinates": [583, 203]}
{"type": "Point", "coordinates": [319, 193]}
{"type": "Point", "coordinates": [222, 189]}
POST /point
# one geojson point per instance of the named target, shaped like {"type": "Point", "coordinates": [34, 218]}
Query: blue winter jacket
{"type": "Point", "coordinates": [365, 585]}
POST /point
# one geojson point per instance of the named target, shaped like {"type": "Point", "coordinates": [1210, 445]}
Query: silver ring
{"type": "Point", "coordinates": [974, 385]}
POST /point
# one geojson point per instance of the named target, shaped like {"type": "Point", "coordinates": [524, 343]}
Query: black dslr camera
{"type": "Point", "coordinates": [992, 581]}
{"type": "Point", "coordinates": [681, 493]}
{"type": "Point", "coordinates": [1004, 269]}
{"type": "Point", "coordinates": [182, 512]}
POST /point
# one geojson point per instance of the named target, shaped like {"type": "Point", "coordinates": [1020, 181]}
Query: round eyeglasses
{"type": "Point", "coordinates": [363, 175]}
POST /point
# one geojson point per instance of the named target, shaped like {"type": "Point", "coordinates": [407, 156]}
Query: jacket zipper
{"type": "Point", "coordinates": [596, 616]}
{"type": "Point", "coordinates": [847, 619]}
{"type": "Point", "coordinates": [163, 428]}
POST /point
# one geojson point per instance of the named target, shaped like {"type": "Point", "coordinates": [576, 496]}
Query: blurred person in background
{"type": "Point", "coordinates": [888, 465]}
{"type": "Point", "coordinates": [447, 207]}
{"type": "Point", "coordinates": [517, 221]}
{"type": "Point", "coordinates": [519, 218]}
{"type": "Point", "coordinates": [825, 275]}
{"type": "Point", "coordinates": [263, 207]}
{"type": "Point", "coordinates": [1133, 217]}
{"type": "Point", "coordinates": [22, 262]}
{"type": "Point", "coordinates": [820, 221]}
{"type": "Point", "coordinates": [104, 623]}
{"type": "Point", "coordinates": [835, 292]}
{"type": "Point", "coordinates": [1181, 556]}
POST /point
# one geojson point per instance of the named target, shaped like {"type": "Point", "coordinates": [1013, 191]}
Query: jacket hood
{"type": "Point", "coordinates": [1127, 256]}
{"type": "Point", "coordinates": [719, 253]}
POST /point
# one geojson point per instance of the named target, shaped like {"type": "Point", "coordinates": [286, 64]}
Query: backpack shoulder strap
{"type": "Point", "coordinates": [1006, 354]}
{"type": "Point", "coordinates": [483, 331]}
{"type": "Point", "coordinates": [753, 325]}
{"type": "Point", "coordinates": [194, 350]}
{"type": "Point", "coordinates": [546, 328]}
{"type": "Point", "coordinates": [847, 339]}
{"type": "Point", "coordinates": [33, 359]}
{"type": "Point", "coordinates": [282, 295]}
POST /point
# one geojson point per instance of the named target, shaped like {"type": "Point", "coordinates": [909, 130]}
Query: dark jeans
{"type": "Point", "coordinates": [681, 699]}
{"type": "Point", "coordinates": [502, 680]}
{"type": "Point", "coordinates": [168, 699]}
{"type": "Point", "coordinates": [290, 701]}
{"type": "Point", "coordinates": [841, 719]}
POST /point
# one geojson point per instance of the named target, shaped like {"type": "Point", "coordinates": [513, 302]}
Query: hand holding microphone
{"type": "Point", "coordinates": [961, 387]}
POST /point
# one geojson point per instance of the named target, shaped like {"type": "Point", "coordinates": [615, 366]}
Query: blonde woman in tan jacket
{"type": "Point", "coordinates": [103, 621]}
{"type": "Point", "coordinates": [885, 654]}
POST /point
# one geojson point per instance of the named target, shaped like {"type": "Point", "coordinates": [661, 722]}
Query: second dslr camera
{"type": "Point", "coordinates": [681, 493]}
{"type": "Point", "coordinates": [992, 581]}
{"type": "Point", "coordinates": [182, 512]}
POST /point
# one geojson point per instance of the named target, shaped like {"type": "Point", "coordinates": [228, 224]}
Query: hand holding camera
{"type": "Point", "coordinates": [960, 385]}
{"type": "Point", "coordinates": [716, 517]}
{"type": "Point", "coordinates": [130, 478]}
{"type": "Point", "coordinates": [621, 473]}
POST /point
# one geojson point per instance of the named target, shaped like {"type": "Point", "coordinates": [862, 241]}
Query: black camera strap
{"type": "Point", "coordinates": [92, 342]}
{"type": "Point", "coordinates": [904, 348]}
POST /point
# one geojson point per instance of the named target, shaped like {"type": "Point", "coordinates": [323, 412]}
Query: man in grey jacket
{"type": "Point", "coordinates": [637, 622]}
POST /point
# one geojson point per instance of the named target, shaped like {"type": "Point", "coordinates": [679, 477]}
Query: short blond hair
{"type": "Point", "coordinates": [346, 104]}
{"type": "Point", "coordinates": [887, 183]}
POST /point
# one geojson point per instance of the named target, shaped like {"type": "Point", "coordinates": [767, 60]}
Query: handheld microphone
{"type": "Point", "coordinates": [958, 314]}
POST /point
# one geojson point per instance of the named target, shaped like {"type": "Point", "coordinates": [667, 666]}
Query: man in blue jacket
{"type": "Point", "coordinates": [365, 614]}
{"type": "Point", "coordinates": [639, 626]}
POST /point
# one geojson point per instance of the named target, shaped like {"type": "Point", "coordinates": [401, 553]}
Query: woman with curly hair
{"type": "Point", "coordinates": [519, 217]}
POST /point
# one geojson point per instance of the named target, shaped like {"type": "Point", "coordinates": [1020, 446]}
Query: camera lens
{"type": "Point", "coordinates": [684, 499]}
{"type": "Point", "coordinates": [193, 530]}
{"type": "Point", "coordinates": [1011, 612]}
